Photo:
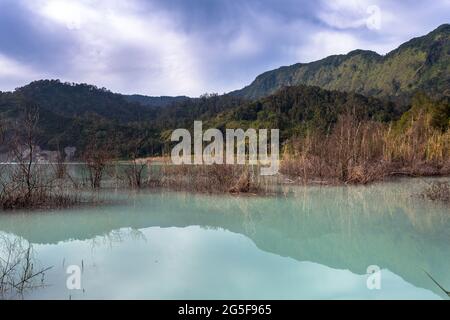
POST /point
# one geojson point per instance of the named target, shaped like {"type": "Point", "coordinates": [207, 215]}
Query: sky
{"type": "Point", "coordinates": [190, 47]}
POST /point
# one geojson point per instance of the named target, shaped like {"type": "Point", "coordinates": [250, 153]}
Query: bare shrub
{"type": "Point", "coordinates": [18, 273]}
{"type": "Point", "coordinates": [60, 167]}
{"type": "Point", "coordinates": [216, 178]}
{"type": "Point", "coordinates": [134, 172]}
{"type": "Point", "coordinates": [27, 183]}
{"type": "Point", "coordinates": [97, 156]}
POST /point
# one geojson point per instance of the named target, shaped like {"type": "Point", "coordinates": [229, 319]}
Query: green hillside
{"type": "Point", "coordinates": [293, 110]}
{"type": "Point", "coordinates": [81, 100]}
{"type": "Point", "coordinates": [76, 114]}
{"type": "Point", "coordinates": [421, 63]}
{"type": "Point", "coordinates": [163, 101]}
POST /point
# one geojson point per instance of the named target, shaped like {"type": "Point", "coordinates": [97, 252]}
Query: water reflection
{"type": "Point", "coordinates": [178, 240]}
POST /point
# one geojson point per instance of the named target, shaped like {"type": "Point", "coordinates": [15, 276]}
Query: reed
{"type": "Point", "coordinates": [215, 178]}
{"type": "Point", "coordinates": [357, 151]}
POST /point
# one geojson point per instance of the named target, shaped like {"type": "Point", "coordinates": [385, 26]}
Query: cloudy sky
{"type": "Point", "coordinates": [174, 47]}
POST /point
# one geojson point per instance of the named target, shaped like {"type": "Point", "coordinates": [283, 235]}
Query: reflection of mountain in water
{"type": "Point", "coordinates": [343, 228]}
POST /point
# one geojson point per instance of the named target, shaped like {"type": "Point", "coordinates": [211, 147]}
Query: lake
{"type": "Point", "coordinates": [306, 242]}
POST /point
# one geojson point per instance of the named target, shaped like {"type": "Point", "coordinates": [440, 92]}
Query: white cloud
{"type": "Point", "coordinates": [14, 74]}
{"type": "Point", "coordinates": [244, 44]}
{"type": "Point", "coordinates": [345, 14]}
{"type": "Point", "coordinates": [11, 68]}
{"type": "Point", "coordinates": [65, 12]}
{"type": "Point", "coordinates": [121, 49]}
{"type": "Point", "coordinates": [382, 26]}
{"type": "Point", "coordinates": [325, 43]}
{"type": "Point", "coordinates": [328, 43]}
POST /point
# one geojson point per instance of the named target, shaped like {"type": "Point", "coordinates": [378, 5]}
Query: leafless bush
{"type": "Point", "coordinates": [18, 273]}
{"type": "Point", "coordinates": [27, 183]}
{"type": "Point", "coordinates": [97, 157]}
{"type": "Point", "coordinates": [134, 172]}
{"type": "Point", "coordinates": [217, 178]}
{"type": "Point", "coordinates": [60, 167]}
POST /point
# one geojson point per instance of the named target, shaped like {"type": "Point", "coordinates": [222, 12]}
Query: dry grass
{"type": "Point", "coordinates": [365, 151]}
{"type": "Point", "coordinates": [209, 178]}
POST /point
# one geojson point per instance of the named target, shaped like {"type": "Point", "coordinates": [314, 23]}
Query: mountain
{"type": "Point", "coordinates": [83, 100]}
{"type": "Point", "coordinates": [420, 64]}
{"type": "Point", "coordinates": [76, 114]}
{"type": "Point", "coordinates": [162, 101]}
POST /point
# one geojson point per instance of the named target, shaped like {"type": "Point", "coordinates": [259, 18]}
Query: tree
{"type": "Point", "coordinates": [24, 146]}
{"type": "Point", "coordinates": [97, 156]}
{"type": "Point", "coordinates": [134, 172]}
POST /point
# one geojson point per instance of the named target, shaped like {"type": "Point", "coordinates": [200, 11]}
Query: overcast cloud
{"type": "Point", "coordinates": [175, 47]}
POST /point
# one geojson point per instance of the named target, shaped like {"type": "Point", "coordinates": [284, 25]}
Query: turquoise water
{"type": "Point", "coordinates": [304, 243]}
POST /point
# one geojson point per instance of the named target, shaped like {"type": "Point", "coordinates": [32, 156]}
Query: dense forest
{"type": "Point", "coordinates": [77, 114]}
{"type": "Point", "coordinates": [294, 110]}
{"type": "Point", "coordinates": [74, 115]}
